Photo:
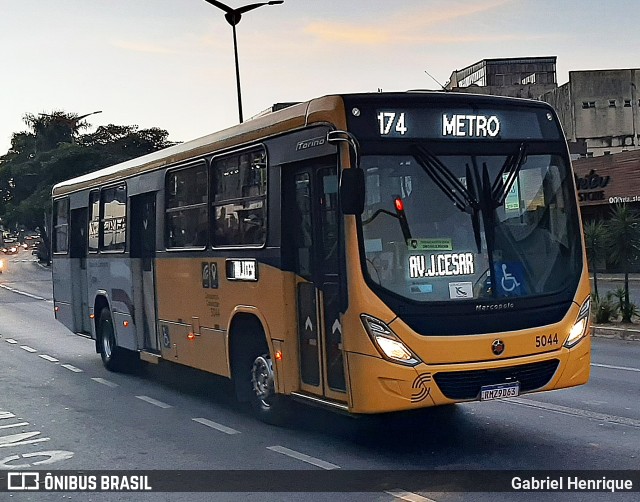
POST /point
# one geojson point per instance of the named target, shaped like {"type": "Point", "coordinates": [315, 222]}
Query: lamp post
{"type": "Point", "coordinates": [233, 17]}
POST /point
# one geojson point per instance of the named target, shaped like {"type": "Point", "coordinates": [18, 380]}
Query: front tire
{"type": "Point", "coordinates": [255, 381]}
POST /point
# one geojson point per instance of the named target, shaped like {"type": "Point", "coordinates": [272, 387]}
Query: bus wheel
{"type": "Point", "coordinates": [268, 406]}
{"type": "Point", "coordinates": [112, 355]}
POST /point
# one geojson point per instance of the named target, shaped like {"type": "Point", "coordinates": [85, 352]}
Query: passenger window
{"type": "Point", "coordinates": [186, 208]}
{"type": "Point", "coordinates": [239, 199]}
{"type": "Point", "coordinates": [113, 205]}
{"type": "Point", "coordinates": [61, 226]}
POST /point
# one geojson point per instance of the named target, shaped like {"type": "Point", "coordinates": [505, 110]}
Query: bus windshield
{"type": "Point", "coordinates": [454, 227]}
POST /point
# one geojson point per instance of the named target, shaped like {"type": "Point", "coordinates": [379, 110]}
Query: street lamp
{"type": "Point", "coordinates": [233, 17]}
{"type": "Point", "coordinates": [70, 122]}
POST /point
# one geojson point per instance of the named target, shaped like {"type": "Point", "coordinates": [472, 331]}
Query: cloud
{"type": "Point", "coordinates": [146, 47]}
{"type": "Point", "coordinates": [413, 26]}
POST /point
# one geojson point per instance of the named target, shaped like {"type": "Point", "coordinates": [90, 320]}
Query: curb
{"type": "Point", "coordinates": [628, 334]}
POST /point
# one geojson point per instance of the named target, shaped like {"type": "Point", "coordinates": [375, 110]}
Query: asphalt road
{"type": "Point", "coordinates": [56, 397]}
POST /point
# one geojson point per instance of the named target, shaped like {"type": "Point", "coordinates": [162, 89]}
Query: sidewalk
{"type": "Point", "coordinates": [621, 333]}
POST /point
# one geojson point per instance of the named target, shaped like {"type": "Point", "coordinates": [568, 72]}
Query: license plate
{"type": "Point", "coordinates": [499, 391]}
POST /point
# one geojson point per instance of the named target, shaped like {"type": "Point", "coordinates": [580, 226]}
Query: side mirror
{"type": "Point", "coordinates": [352, 191]}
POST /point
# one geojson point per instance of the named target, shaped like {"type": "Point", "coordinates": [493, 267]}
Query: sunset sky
{"type": "Point", "coordinates": [169, 63]}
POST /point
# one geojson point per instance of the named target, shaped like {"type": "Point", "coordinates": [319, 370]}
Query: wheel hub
{"type": "Point", "coordinates": [262, 378]}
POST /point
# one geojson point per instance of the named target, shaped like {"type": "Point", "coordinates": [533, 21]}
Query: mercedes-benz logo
{"type": "Point", "coordinates": [497, 347]}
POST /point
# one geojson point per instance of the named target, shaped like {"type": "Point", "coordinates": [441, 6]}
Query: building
{"type": "Point", "coordinates": [607, 180]}
{"type": "Point", "coordinates": [600, 109]}
{"type": "Point", "coordinates": [520, 77]}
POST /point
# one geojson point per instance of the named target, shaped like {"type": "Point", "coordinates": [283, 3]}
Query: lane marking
{"type": "Point", "coordinates": [70, 367]}
{"type": "Point", "coordinates": [28, 349]}
{"type": "Point", "coordinates": [215, 425]}
{"type": "Point", "coordinates": [105, 382]}
{"type": "Point", "coordinates": [19, 424]}
{"type": "Point", "coordinates": [411, 497]}
{"type": "Point", "coordinates": [576, 412]}
{"type": "Point", "coordinates": [48, 358]}
{"type": "Point", "coordinates": [611, 367]}
{"type": "Point", "coordinates": [23, 293]}
{"type": "Point", "coordinates": [10, 340]}
{"type": "Point", "coordinates": [305, 458]}
{"type": "Point", "coordinates": [154, 402]}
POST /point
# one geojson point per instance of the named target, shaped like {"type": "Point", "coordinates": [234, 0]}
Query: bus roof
{"type": "Point", "coordinates": [299, 115]}
{"type": "Point", "coordinates": [293, 117]}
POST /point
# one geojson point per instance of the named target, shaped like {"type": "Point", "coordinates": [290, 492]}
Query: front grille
{"type": "Point", "coordinates": [466, 384]}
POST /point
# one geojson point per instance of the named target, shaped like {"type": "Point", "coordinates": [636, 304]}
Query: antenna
{"type": "Point", "coordinates": [434, 79]}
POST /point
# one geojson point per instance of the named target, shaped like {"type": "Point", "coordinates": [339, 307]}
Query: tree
{"type": "Point", "coordinates": [54, 151]}
{"type": "Point", "coordinates": [624, 248]}
{"type": "Point", "coordinates": [595, 237]}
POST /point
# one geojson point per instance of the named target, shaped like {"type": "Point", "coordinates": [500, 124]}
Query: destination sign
{"type": "Point", "coordinates": [455, 123]}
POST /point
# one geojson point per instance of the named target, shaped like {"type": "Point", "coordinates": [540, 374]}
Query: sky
{"type": "Point", "coordinates": [169, 63]}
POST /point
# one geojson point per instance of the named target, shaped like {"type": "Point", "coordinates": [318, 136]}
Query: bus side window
{"type": "Point", "coordinates": [186, 221]}
{"type": "Point", "coordinates": [61, 226]}
{"type": "Point", "coordinates": [239, 199]}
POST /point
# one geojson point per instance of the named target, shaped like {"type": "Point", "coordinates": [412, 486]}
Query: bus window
{"type": "Point", "coordinates": [239, 199]}
{"type": "Point", "coordinates": [94, 220]}
{"type": "Point", "coordinates": [113, 203]}
{"type": "Point", "coordinates": [61, 226]}
{"type": "Point", "coordinates": [186, 209]}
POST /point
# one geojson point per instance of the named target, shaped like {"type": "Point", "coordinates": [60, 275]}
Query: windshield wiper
{"type": "Point", "coordinates": [463, 197]}
{"type": "Point", "coordinates": [442, 176]}
{"type": "Point", "coordinates": [512, 164]}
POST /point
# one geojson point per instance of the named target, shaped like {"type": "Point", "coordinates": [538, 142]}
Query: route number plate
{"type": "Point", "coordinates": [499, 391]}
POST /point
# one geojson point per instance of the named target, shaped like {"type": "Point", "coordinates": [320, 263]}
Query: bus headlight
{"type": "Point", "coordinates": [581, 326]}
{"type": "Point", "coordinates": [387, 342]}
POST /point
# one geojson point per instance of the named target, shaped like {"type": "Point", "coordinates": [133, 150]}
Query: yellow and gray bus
{"type": "Point", "coordinates": [364, 252]}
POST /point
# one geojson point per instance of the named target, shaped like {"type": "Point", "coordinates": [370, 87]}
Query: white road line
{"type": "Point", "coordinates": [305, 458]}
{"type": "Point", "coordinates": [10, 340]}
{"type": "Point", "coordinates": [70, 367]}
{"type": "Point", "coordinates": [28, 349]}
{"type": "Point", "coordinates": [576, 412]}
{"type": "Point", "coordinates": [19, 424]}
{"type": "Point", "coordinates": [48, 358]}
{"type": "Point", "coordinates": [105, 382]}
{"type": "Point", "coordinates": [608, 366]}
{"type": "Point", "coordinates": [215, 425]}
{"type": "Point", "coordinates": [23, 293]}
{"type": "Point", "coordinates": [411, 497]}
{"type": "Point", "coordinates": [154, 402]}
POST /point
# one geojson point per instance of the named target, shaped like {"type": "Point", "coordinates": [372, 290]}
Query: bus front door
{"type": "Point", "coordinates": [78, 255]}
{"type": "Point", "coordinates": [314, 228]}
{"type": "Point", "coordinates": [143, 253]}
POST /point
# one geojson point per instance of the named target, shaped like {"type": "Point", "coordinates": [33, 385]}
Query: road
{"type": "Point", "coordinates": [56, 397]}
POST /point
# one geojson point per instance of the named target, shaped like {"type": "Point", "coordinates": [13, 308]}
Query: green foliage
{"type": "Point", "coordinates": [604, 309]}
{"type": "Point", "coordinates": [595, 237]}
{"type": "Point", "coordinates": [624, 236]}
{"type": "Point", "coordinates": [54, 151]}
{"type": "Point", "coordinates": [624, 249]}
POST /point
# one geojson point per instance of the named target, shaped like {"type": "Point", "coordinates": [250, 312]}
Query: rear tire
{"type": "Point", "coordinates": [114, 358]}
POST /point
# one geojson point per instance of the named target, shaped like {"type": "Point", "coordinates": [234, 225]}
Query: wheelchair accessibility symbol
{"type": "Point", "coordinates": [508, 281]}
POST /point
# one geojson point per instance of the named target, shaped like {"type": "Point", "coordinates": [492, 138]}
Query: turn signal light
{"type": "Point", "coordinates": [278, 355]}
{"type": "Point", "coordinates": [191, 337]}
{"type": "Point", "coordinates": [125, 324]}
{"type": "Point", "coordinates": [92, 316]}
